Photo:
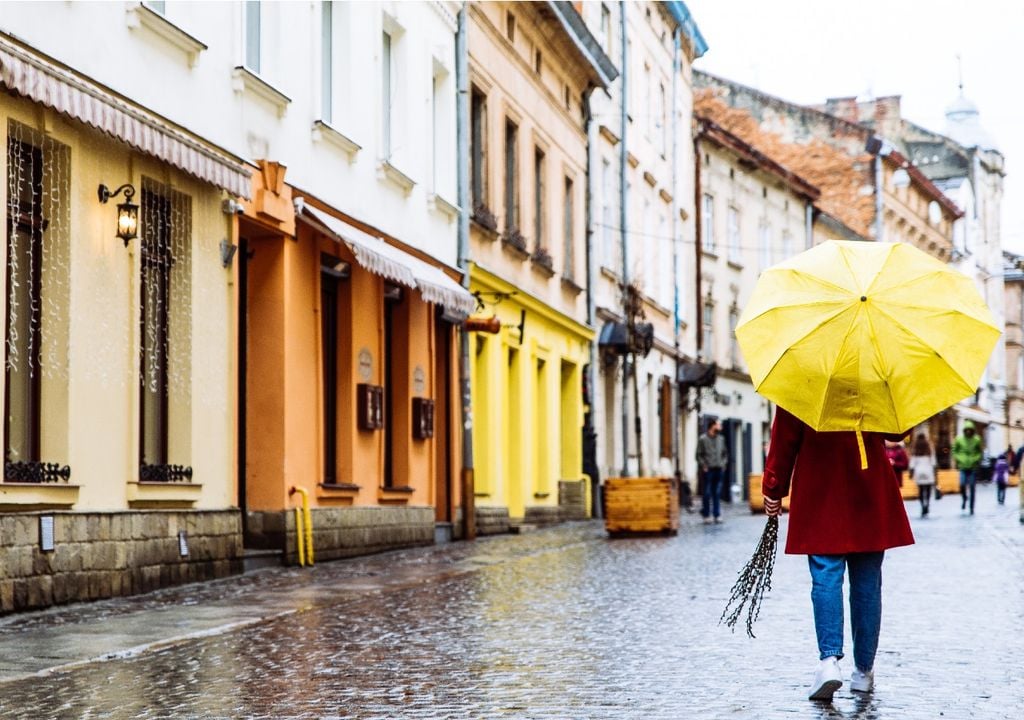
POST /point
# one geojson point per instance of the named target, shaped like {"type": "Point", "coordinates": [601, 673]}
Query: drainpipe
{"type": "Point", "coordinates": [676, 67]}
{"type": "Point", "coordinates": [698, 228]}
{"type": "Point", "coordinates": [623, 236]}
{"type": "Point", "coordinates": [809, 224]}
{"type": "Point", "coordinates": [878, 197]}
{"type": "Point", "coordinates": [590, 463]}
{"type": "Point", "coordinates": [462, 149]}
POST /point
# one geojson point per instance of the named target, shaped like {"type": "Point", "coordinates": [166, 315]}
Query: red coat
{"type": "Point", "coordinates": [836, 508]}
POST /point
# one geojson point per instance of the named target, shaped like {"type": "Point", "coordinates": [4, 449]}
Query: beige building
{"type": "Point", "coordinates": [532, 69]}
{"type": "Point", "coordinates": [119, 305]}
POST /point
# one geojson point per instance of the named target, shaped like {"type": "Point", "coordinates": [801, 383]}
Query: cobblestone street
{"type": "Point", "coordinates": [558, 623]}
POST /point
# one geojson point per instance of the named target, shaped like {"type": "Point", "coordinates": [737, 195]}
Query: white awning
{"type": "Point", "coordinates": [74, 95]}
{"type": "Point", "coordinates": [391, 263]}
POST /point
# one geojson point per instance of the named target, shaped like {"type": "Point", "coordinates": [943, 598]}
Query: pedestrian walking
{"type": "Point", "coordinates": [844, 517]}
{"type": "Point", "coordinates": [1001, 472]}
{"type": "Point", "coordinates": [922, 470]}
{"type": "Point", "coordinates": [967, 455]}
{"type": "Point", "coordinates": [712, 458]}
{"type": "Point", "coordinates": [897, 455]}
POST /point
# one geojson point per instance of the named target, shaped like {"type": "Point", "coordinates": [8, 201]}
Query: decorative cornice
{"type": "Point", "coordinates": [140, 16]}
{"type": "Point", "coordinates": [245, 80]}
{"type": "Point", "coordinates": [325, 132]}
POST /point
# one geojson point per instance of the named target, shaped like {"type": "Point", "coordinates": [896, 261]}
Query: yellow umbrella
{"type": "Point", "coordinates": [865, 336]}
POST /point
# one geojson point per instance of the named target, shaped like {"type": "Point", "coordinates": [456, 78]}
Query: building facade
{"type": "Point", "coordinates": [119, 361]}
{"type": "Point", "coordinates": [532, 69]}
{"type": "Point", "coordinates": [643, 234]}
{"type": "Point", "coordinates": [754, 214]}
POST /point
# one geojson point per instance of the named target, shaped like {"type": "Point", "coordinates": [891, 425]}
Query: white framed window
{"type": "Point", "coordinates": [708, 223]}
{"type": "Point", "coordinates": [386, 93]}
{"type": "Point", "coordinates": [735, 251]}
{"type": "Point", "coordinates": [708, 328]}
{"type": "Point", "coordinates": [607, 215]}
{"type": "Point", "coordinates": [327, 61]}
{"type": "Point", "coordinates": [764, 243]}
{"type": "Point", "coordinates": [787, 244]}
{"type": "Point", "coordinates": [253, 34]}
{"type": "Point", "coordinates": [605, 32]}
{"type": "Point", "coordinates": [734, 347]}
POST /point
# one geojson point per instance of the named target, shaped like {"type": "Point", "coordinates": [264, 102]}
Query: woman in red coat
{"type": "Point", "coordinates": [842, 518]}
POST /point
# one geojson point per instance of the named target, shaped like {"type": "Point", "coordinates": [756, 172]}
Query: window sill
{"type": "Point", "coordinates": [342, 493]}
{"type": "Point", "coordinates": [389, 173]}
{"type": "Point", "coordinates": [569, 285]}
{"type": "Point", "coordinates": [325, 132]}
{"type": "Point", "coordinates": [244, 80]}
{"type": "Point", "coordinates": [140, 16]}
{"type": "Point", "coordinates": [611, 274]}
{"type": "Point", "coordinates": [542, 267]}
{"type": "Point", "coordinates": [163, 494]}
{"type": "Point", "coordinates": [734, 264]}
{"type": "Point", "coordinates": [395, 495]}
{"type": "Point", "coordinates": [441, 206]}
{"type": "Point", "coordinates": [37, 496]}
{"type": "Point", "coordinates": [709, 254]}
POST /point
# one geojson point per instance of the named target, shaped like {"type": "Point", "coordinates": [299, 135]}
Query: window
{"type": "Point", "coordinates": [764, 243]}
{"type": "Point", "coordinates": [568, 231]}
{"type": "Point", "coordinates": [329, 282]}
{"type": "Point", "coordinates": [511, 176]}
{"type": "Point", "coordinates": [648, 102]}
{"type": "Point", "coordinates": [708, 223]}
{"type": "Point", "coordinates": [707, 328]}
{"type": "Point", "coordinates": [478, 148]}
{"type": "Point", "coordinates": [165, 325]}
{"type": "Point", "coordinates": [662, 119]}
{"type": "Point", "coordinates": [38, 300]}
{"type": "Point", "coordinates": [538, 62]}
{"type": "Point", "coordinates": [665, 416]}
{"type": "Point", "coordinates": [510, 27]}
{"type": "Point", "coordinates": [326, 61]}
{"type": "Point", "coordinates": [435, 124]}
{"type": "Point", "coordinates": [538, 199]}
{"type": "Point", "coordinates": [665, 243]}
{"type": "Point", "coordinates": [787, 244]}
{"type": "Point", "coordinates": [734, 234]}
{"type": "Point", "coordinates": [605, 31]}
{"type": "Point", "coordinates": [607, 211]}
{"type": "Point", "coordinates": [252, 35]}
{"type": "Point", "coordinates": [386, 94]}
{"type": "Point", "coordinates": [157, 6]}
{"type": "Point", "coordinates": [734, 348]}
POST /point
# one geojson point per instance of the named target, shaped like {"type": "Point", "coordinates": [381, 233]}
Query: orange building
{"type": "Point", "coordinates": [347, 369]}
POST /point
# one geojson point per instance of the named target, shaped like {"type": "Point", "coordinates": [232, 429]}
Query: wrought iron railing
{"type": "Point", "coordinates": [165, 473]}
{"type": "Point", "coordinates": [36, 472]}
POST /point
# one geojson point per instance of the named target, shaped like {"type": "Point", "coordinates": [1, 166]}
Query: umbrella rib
{"type": "Point", "coordinates": [801, 338]}
{"type": "Point", "coordinates": [921, 339]}
{"type": "Point", "coordinates": [878, 353]}
{"type": "Point", "coordinates": [871, 284]}
{"type": "Point", "coordinates": [832, 372]}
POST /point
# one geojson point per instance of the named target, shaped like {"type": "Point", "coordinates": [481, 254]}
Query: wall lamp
{"type": "Point", "coordinates": [127, 212]}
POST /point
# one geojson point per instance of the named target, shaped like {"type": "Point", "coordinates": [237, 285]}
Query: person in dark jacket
{"type": "Point", "coordinates": [843, 518]}
{"type": "Point", "coordinates": [712, 458]}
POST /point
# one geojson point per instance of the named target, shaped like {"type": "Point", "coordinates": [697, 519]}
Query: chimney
{"type": "Point", "coordinates": [844, 108]}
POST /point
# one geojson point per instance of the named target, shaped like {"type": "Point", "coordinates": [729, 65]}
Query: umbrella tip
{"type": "Point", "coordinates": [863, 298]}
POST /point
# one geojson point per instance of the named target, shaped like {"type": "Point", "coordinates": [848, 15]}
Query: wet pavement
{"type": "Point", "coordinates": [559, 623]}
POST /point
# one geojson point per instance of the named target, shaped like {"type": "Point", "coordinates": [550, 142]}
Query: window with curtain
{"type": "Point", "coordinates": [38, 304]}
{"type": "Point", "coordinates": [708, 328]}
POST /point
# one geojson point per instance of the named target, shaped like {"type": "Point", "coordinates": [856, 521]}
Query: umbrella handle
{"type": "Point", "coordinates": [863, 452]}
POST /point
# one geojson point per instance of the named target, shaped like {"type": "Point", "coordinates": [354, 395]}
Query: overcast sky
{"type": "Point", "coordinates": [809, 50]}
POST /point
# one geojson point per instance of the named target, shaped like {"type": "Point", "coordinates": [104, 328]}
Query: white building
{"type": "Point", "coordinates": [653, 154]}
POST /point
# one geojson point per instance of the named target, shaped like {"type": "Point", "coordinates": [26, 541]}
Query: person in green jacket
{"type": "Point", "coordinates": [967, 454]}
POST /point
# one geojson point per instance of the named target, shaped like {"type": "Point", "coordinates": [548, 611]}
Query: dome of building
{"type": "Point", "coordinates": [963, 124]}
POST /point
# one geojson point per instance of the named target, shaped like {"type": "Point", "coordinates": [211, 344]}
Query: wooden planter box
{"type": "Point", "coordinates": [756, 498]}
{"type": "Point", "coordinates": [641, 506]}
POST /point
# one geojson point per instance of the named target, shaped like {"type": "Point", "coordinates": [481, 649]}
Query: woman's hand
{"type": "Point", "coordinates": [772, 508]}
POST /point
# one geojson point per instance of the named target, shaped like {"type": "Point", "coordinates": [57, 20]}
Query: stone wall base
{"type": "Point", "coordinates": [100, 555]}
{"type": "Point", "coordinates": [542, 515]}
{"type": "Point", "coordinates": [491, 520]}
{"type": "Point", "coordinates": [572, 499]}
{"type": "Point", "coordinates": [345, 531]}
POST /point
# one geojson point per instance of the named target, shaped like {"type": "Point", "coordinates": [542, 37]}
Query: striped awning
{"type": "Point", "coordinates": [391, 263]}
{"type": "Point", "coordinates": [42, 80]}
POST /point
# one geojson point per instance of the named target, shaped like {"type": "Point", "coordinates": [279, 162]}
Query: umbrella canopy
{"type": "Point", "coordinates": [865, 336]}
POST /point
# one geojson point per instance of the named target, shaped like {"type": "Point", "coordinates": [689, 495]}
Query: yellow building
{"type": "Point", "coordinates": [119, 308]}
{"type": "Point", "coordinates": [532, 67]}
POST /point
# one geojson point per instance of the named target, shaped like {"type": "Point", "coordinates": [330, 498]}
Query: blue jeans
{"type": "Point", "coordinates": [710, 502]}
{"type": "Point", "coordinates": [865, 603]}
{"type": "Point", "coordinates": [967, 480]}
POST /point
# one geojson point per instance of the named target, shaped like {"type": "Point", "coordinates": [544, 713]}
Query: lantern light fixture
{"type": "Point", "coordinates": [127, 211]}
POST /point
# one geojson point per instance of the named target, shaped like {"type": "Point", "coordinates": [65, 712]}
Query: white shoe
{"type": "Point", "coordinates": [862, 682]}
{"type": "Point", "coordinates": [827, 679]}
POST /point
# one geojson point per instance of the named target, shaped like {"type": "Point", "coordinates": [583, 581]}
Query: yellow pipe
{"type": "Point", "coordinates": [303, 527]}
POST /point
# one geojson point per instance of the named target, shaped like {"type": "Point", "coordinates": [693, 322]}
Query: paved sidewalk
{"type": "Point", "coordinates": [559, 623]}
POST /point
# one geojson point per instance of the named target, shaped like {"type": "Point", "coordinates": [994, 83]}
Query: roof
{"type": "Point", "coordinates": [586, 44]}
{"type": "Point", "coordinates": [707, 128]}
{"type": "Point", "coordinates": [896, 159]}
{"type": "Point", "coordinates": [681, 14]}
